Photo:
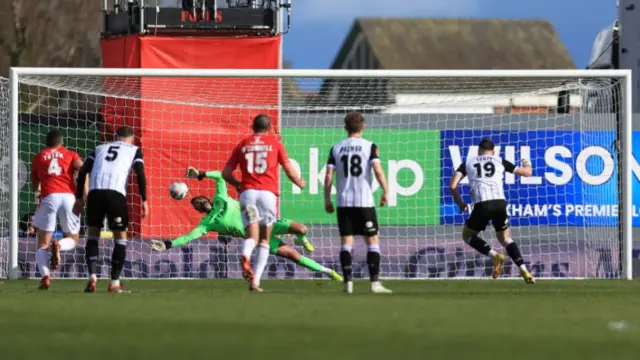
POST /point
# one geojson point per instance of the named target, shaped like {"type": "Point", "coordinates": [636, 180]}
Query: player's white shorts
{"type": "Point", "coordinates": [57, 207]}
{"type": "Point", "coordinates": [258, 206]}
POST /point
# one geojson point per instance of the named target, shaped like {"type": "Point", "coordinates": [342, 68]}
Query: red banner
{"type": "Point", "coordinates": [191, 121]}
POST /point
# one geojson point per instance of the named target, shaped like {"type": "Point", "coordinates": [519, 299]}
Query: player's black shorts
{"type": "Point", "coordinates": [357, 221]}
{"type": "Point", "coordinates": [109, 203]}
{"type": "Point", "coordinates": [492, 210]}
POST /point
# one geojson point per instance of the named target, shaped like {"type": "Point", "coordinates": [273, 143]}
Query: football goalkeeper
{"type": "Point", "coordinates": [223, 216]}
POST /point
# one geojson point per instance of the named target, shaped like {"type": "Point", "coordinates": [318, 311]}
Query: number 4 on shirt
{"type": "Point", "coordinates": [54, 168]}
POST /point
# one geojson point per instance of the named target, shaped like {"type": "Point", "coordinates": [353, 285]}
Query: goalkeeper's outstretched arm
{"type": "Point", "coordinates": [221, 186]}
{"type": "Point", "coordinates": [194, 234]}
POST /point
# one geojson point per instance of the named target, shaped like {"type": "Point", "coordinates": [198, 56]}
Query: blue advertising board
{"type": "Point", "coordinates": [573, 183]}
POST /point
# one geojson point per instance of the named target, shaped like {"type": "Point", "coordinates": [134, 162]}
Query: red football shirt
{"type": "Point", "coordinates": [54, 168]}
{"type": "Point", "coordinates": [258, 156]}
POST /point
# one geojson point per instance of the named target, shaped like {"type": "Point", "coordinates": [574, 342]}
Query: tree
{"type": "Point", "coordinates": [49, 33]}
{"type": "Point", "coordinates": [291, 92]}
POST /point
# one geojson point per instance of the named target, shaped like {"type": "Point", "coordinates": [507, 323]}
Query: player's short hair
{"type": "Point", "coordinates": [201, 199]}
{"type": "Point", "coordinates": [354, 122]}
{"type": "Point", "coordinates": [124, 132]}
{"type": "Point", "coordinates": [485, 146]}
{"type": "Point", "coordinates": [261, 123]}
{"type": "Point", "coordinates": [54, 138]}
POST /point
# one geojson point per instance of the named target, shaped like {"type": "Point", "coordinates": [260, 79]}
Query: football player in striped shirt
{"type": "Point", "coordinates": [353, 161]}
{"type": "Point", "coordinates": [486, 187]}
{"type": "Point", "coordinates": [109, 167]}
{"type": "Point", "coordinates": [222, 215]}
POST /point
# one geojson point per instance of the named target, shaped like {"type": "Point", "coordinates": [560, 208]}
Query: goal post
{"type": "Point", "coordinates": [573, 218]}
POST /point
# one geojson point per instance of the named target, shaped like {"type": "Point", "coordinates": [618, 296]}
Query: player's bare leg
{"type": "Point", "coordinates": [300, 231]}
{"type": "Point", "coordinates": [91, 257]}
{"type": "Point", "coordinates": [252, 235]}
{"type": "Point", "coordinates": [292, 254]}
{"type": "Point", "coordinates": [42, 258]}
{"type": "Point", "coordinates": [471, 237]}
{"type": "Point", "coordinates": [117, 260]}
{"type": "Point", "coordinates": [373, 262]}
{"type": "Point", "coordinates": [262, 257]}
{"type": "Point", "coordinates": [346, 262]}
{"type": "Point", "coordinates": [504, 237]}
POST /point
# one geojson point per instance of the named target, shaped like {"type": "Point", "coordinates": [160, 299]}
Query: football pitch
{"type": "Point", "coordinates": [220, 319]}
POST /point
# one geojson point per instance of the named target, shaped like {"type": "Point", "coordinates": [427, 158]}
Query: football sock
{"type": "Point", "coordinates": [67, 244]}
{"type": "Point", "coordinates": [480, 245]}
{"type": "Point", "coordinates": [345, 263]}
{"type": "Point", "coordinates": [515, 255]}
{"type": "Point", "coordinates": [373, 260]}
{"type": "Point", "coordinates": [325, 270]}
{"type": "Point", "coordinates": [91, 255]}
{"type": "Point", "coordinates": [310, 264]}
{"type": "Point", "coordinates": [261, 262]}
{"type": "Point", "coordinates": [42, 259]}
{"type": "Point", "coordinates": [117, 258]}
{"type": "Point", "coordinates": [247, 247]}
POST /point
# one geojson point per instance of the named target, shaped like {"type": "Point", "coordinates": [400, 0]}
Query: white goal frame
{"type": "Point", "coordinates": [625, 144]}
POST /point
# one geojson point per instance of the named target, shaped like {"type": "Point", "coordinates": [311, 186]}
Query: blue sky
{"type": "Point", "coordinates": [319, 26]}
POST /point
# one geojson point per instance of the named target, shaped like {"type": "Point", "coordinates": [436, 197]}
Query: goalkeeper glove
{"type": "Point", "coordinates": [525, 163]}
{"type": "Point", "coordinates": [158, 245]}
{"type": "Point", "coordinates": [193, 173]}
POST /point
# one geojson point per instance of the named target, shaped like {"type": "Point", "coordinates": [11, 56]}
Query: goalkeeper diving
{"type": "Point", "coordinates": [223, 217]}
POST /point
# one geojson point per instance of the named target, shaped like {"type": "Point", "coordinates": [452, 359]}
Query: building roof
{"type": "Point", "coordinates": [459, 44]}
{"type": "Point", "coordinates": [453, 44]}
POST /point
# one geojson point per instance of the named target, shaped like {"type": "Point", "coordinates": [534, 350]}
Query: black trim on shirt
{"type": "Point", "coordinates": [332, 160]}
{"type": "Point", "coordinates": [508, 166]}
{"type": "Point", "coordinates": [82, 175]}
{"type": "Point", "coordinates": [138, 168]}
{"type": "Point", "coordinates": [374, 152]}
{"type": "Point", "coordinates": [138, 156]}
{"type": "Point", "coordinates": [462, 169]}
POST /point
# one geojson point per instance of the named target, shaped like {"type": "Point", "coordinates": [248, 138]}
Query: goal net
{"type": "Point", "coordinates": [567, 218]}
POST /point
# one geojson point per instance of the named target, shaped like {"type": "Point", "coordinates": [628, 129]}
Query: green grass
{"type": "Point", "coordinates": [217, 319]}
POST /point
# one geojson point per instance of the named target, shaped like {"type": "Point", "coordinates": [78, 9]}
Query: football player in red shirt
{"type": "Point", "coordinates": [53, 180]}
{"type": "Point", "coordinates": [258, 156]}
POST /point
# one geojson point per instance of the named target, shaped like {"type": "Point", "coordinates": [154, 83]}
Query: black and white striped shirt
{"type": "Point", "coordinates": [112, 163]}
{"type": "Point", "coordinates": [352, 159]}
{"type": "Point", "coordinates": [486, 174]}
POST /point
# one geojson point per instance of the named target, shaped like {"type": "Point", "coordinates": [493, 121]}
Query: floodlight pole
{"type": "Point", "coordinates": [628, 57]}
{"type": "Point", "coordinates": [629, 20]}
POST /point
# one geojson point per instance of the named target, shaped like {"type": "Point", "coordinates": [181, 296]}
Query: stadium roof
{"type": "Point", "coordinates": [458, 44]}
